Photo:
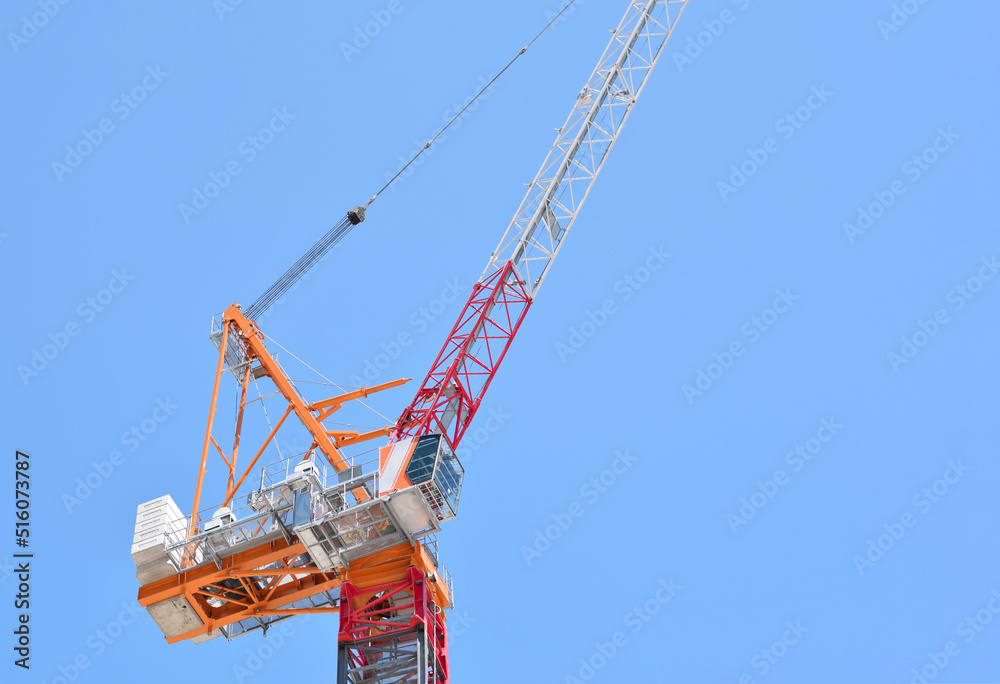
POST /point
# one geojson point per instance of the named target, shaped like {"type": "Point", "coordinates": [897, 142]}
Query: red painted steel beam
{"type": "Point", "coordinates": [469, 359]}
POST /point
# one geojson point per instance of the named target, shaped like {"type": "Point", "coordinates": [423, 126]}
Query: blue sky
{"type": "Point", "coordinates": [772, 458]}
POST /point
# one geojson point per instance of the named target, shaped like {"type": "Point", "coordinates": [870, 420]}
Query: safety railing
{"type": "Point", "coordinates": [236, 358]}
{"type": "Point", "coordinates": [267, 511]}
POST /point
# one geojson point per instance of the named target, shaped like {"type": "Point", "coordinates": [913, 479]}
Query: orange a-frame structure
{"type": "Point", "coordinates": [266, 579]}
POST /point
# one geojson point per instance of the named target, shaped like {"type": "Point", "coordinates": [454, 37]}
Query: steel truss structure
{"type": "Point", "coordinates": [391, 598]}
{"type": "Point", "coordinates": [242, 351]}
{"type": "Point", "coordinates": [451, 393]}
{"type": "Point", "coordinates": [393, 632]}
{"type": "Point", "coordinates": [270, 574]}
{"type": "Point", "coordinates": [464, 368]}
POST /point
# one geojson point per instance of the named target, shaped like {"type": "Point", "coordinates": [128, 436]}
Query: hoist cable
{"type": "Point", "coordinates": [456, 117]}
{"type": "Point", "coordinates": [357, 214]}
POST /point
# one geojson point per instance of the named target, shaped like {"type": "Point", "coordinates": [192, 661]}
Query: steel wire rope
{"type": "Point", "coordinates": [337, 233]}
{"type": "Point", "coordinates": [324, 377]}
{"type": "Point", "coordinates": [484, 89]}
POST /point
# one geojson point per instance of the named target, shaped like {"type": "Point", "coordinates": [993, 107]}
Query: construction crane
{"type": "Point", "coordinates": [324, 532]}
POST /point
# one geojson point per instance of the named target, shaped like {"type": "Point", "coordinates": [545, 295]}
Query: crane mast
{"type": "Point", "coordinates": [327, 535]}
{"type": "Point", "coordinates": [450, 395]}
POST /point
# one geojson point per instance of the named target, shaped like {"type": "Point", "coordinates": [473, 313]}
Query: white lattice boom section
{"type": "Point", "coordinates": [554, 198]}
{"type": "Point", "coordinates": [451, 393]}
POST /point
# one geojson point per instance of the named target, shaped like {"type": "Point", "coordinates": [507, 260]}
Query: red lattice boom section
{"type": "Point", "coordinates": [464, 368]}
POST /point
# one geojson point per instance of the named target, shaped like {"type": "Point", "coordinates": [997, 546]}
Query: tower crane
{"type": "Point", "coordinates": [320, 532]}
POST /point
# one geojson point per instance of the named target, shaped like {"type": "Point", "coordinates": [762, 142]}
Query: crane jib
{"type": "Point", "coordinates": [563, 183]}
{"type": "Point", "coordinates": [464, 368]}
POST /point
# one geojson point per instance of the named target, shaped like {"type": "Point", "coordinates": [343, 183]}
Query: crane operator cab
{"type": "Point", "coordinates": [422, 478]}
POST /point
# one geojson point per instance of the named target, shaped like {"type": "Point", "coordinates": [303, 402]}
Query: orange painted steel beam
{"type": "Point", "coordinates": [303, 588]}
{"type": "Point", "coordinates": [230, 613]}
{"type": "Point", "coordinates": [355, 438]}
{"type": "Point", "coordinates": [208, 433]}
{"type": "Point", "coordinates": [254, 341]}
{"type": "Point", "coordinates": [300, 611]}
{"type": "Point", "coordinates": [263, 580]}
{"type": "Point", "coordinates": [230, 490]}
{"type": "Point", "coordinates": [267, 441]}
{"type": "Point", "coordinates": [193, 578]}
{"type": "Point", "coordinates": [245, 334]}
{"type": "Point", "coordinates": [219, 449]}
{"type": "Point", "coordinates": [271, 572]}
{"type": "Point", "coordinates": [337, 435]}
{"type": "Point", "coordinates": [274, 599]}
{"type": "Point", "coordinates": [390, 566]}
{"type": "Point", "coordinates": [360, 393]}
